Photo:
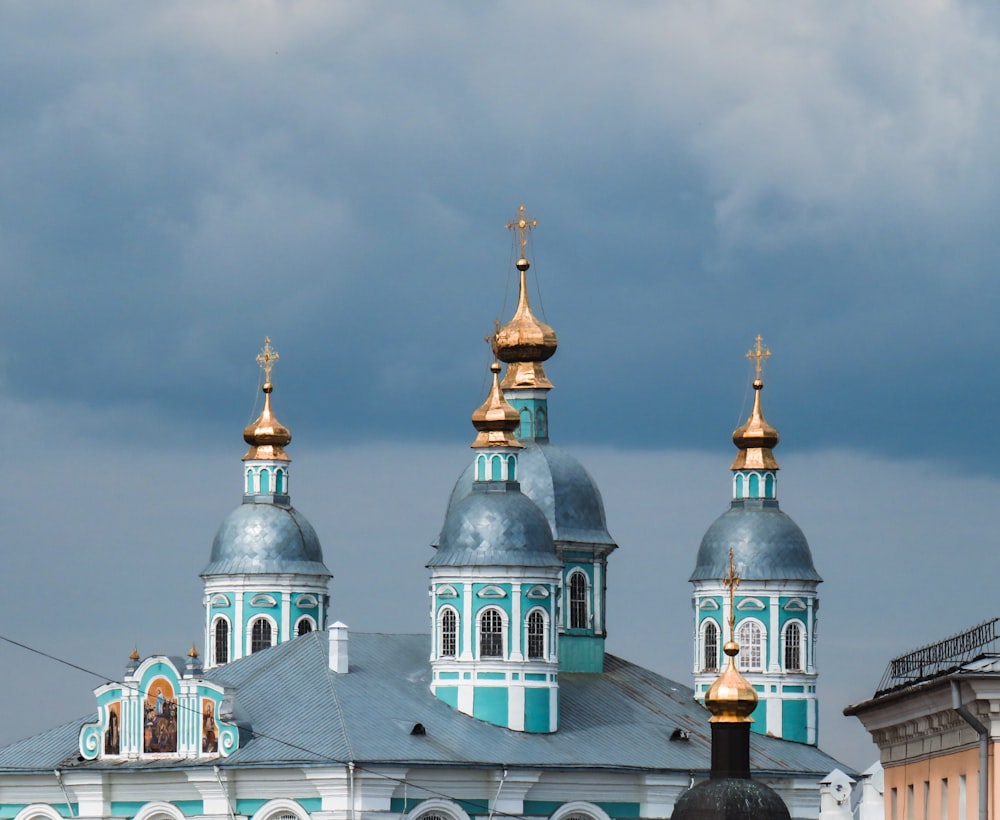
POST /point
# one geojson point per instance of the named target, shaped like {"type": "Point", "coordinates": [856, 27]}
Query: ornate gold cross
{"type": "Point", "coordinates": [759, 352]}
{"type": "Point", "coordinates": [523, 224]}
{"type": "Point", "coordinates": [266, 358]}
{"type": "Point", "coordinates": [732, 580]}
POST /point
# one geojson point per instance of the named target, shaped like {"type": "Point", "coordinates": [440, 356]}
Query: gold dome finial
{"type": "Point", "coordinates": [525, 341]}
{"type": "Point", "coordinates": [134, 654]}
{"type": "Point", "coordinates": [756, 437]}
{"type": "Point", "coordinates": [731, 698]}
{"type": "Point", "coordinates": [193, 651]}
{"type": "Point", "coordinates": [267, 436]}
{"type": "Point", "coordinates": [495, 419]}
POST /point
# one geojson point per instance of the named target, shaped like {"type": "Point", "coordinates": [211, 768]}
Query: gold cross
{"type": "Point", "coordinates": [732, 580]}
{"type": "Point", "coordinates": [491, 340]}
{"type": "Point", "coordinates": [759, 352]}
{"type": "Point", "coordinates": [524, 224]}
{"type": "Point", "coordinates": [267, 357]}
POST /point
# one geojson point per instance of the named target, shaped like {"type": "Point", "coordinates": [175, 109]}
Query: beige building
{"type": "Point", "coordinates": [936, 721]}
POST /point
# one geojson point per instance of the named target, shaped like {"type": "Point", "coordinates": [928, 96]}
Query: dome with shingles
{"type": "Point", "coordinates": [494, 526]}
{"type": "Point", "coordinates": [730, 798]}
{"type": "Point", "coordinates": [767, 545]}
{"type": "Point", "coordinates": [266, 538]}
{"type": "Point", "coordinates": [561, 487]}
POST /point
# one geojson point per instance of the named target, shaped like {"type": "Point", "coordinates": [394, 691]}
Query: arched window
{"type": "Point", "coordinates": [490, 634]}
{"type": "Point", "coordinates": [304, 626]}
{"type": "Point", "coordinates": [750, 637]}
{"type": "Point", "coordinates": [769, 486]}
{"type": "Point", "coordinates": [260, 635]}
{"type": "Point", "coordinates": [754, 486]}
{"type": "Point", "coordinates": [578, 601]}
{"type": "Point", "coordinates": [436, 809]}
{"type": "Point", "coordinates": [739, 486]}
{"type": "Point", "coordinates": [536, 635]}
{"type": "Point", "coordinates": [221, 641]}
{"type": "Point", "coordinates": [279, 481]}
{"type": "Point", "coordinates": [525, 429]}
{"type": "Point", "coordinates": [480, 468]}
{"type": "Point", "coordinates": [710, 647]}
{"type": "Point", "coordinates": [265, 482]}
{"type": "Point", "coordinates": [511, 468]}
{"type": "Point", "coordinates": [249, 482]}
{"type": "Point", "coordinates": [448, 642]}
{"type": "Point", "coordinates": [541, 424]}
{"type": "Point", "coordinates": [496, 468]}
{"type": "Point", "coordinates": [793, 648]}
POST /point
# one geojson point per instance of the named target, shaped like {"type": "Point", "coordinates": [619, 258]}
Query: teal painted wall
{"type": "Point", "coordinates": [449, 694]}
{"type": "Point", "coordinates": [536, 710]}
{"type": "Point", "coordinates": [793, 720]}
{"type": "Point", "coordinates": [581, 653]}
{"type": "Point", "coordinates": [489, 703]}
{"type": "Point", "coordinates": [8, 810]}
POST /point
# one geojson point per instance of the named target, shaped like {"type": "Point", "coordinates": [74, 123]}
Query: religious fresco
{"type": "Point", "coordinates": [209, 731]}
{"type": "Point", "coordinates": [159, 724]}
{"type": "Point", "coordinates": [112, 734]}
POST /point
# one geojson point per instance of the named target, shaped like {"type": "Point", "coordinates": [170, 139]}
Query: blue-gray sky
{"type": "Point", "coordinates": [179, 179]}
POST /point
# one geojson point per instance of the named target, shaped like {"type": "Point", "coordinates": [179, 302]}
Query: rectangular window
{"type": "Point", "coordinates": [927, 800]}
{"type": "Point", "coordinates": [893, 805]}
{"type": "Point", "coordinates": [961, 796]}
{"type": "Point", "coordinates": [909, 803]}
{"type": "Point", "coordinates": [944, 798]}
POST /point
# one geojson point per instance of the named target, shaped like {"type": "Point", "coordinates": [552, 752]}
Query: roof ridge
{"type": "Point", "coordinates": [330, 677]}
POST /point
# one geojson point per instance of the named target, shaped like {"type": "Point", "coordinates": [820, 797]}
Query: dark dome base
{"type": "Point", "coordinates": [730, 799]}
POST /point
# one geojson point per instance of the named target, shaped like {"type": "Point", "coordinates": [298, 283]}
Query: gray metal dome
{"type": "Point", "coordinates": [767, 545]}
{"type": "Point", "coordinates": [266, 538]}
{"type": "Point", "coordinates": [730, 798]}
{"type": "Point", "coordinates": [562, 489]}
{"type": "Point", "coordinates": [494, 525]}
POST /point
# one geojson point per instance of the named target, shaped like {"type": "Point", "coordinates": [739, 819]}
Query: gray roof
{"type": "Point", "coordinates": [295, 710]}
{"type": "Point", "coordinates": [766, 544]}
{"type": "Point", "coordinates": [495, 525]}
{"type": "Point", "coordinates": [561, 487]}
{"type": "Point", "coordinates": [266, 538]}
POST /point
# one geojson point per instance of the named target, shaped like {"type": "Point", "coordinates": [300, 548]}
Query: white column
{"type": "Point", "coordinates": [467, 631]}
{"type": "Point", "coordinates": [810, 660]}
{"type": "Point", "coordinates": [516, 627]}
{"type": "Point", "coordinates": [598, 598]}
{"type": "Point", "coordinates": [238, 625]}
{"type": "Point", "coordinates": [286, 616]}
{"type": "Point", "coordinates": [774, 637]}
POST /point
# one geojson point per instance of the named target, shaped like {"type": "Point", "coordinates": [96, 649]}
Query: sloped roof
{"type": "Point", "coordinates": [296, 710]}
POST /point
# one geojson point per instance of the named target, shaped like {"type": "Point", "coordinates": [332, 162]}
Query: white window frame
{"type": "Point", "coordinates": [439, 631]}
{"type": "Point", "coordinates": [545, 634]}
{"type": "Point", "coordinates": [260, 616]}
{"type": "Point", "coordinates": [504, 632]}
{"type": "Point", "coordinates": [742, 662]}
{"type": "Point", "coordinates": [802, 645]}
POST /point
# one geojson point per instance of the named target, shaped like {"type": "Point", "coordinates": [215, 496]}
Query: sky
{"type": "Point", "coordinates": [178, 180]}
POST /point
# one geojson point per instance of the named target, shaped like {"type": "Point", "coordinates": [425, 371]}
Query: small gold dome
{"type": "Point", "coordinates": [731, 699]}
{"type": "Point", "coordinates": [134, 654]}
{"type": "Point", "coordinates": [755, 438]}
{"type": "Point", "coordinates": [525, 341]}
{"type": "Point", "coordinates": [267, 436]}
{"type": "Point", "coordinates": [495, 419]}
{"type": "Point", "coordinates": [193, 651]}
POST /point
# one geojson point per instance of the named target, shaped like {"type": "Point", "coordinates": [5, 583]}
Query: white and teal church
{"type": "Point", "coordinates": [508, 705]}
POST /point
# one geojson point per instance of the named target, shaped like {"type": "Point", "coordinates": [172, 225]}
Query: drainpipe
{"type": "Point", "coordinates": [984, 747]}
{"type": "Point", "coordinates": [350, 775]}
{"type": "Point", "coordinates": [225, 792]}
{"type": "Point", "coordinates": [69, 805]}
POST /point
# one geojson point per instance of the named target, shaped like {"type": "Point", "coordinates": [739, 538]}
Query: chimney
{"type": "Point", "coordinates": [338, 648]}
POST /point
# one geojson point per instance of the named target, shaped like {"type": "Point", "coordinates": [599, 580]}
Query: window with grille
{"type": "Point", "coordinates": [710, 648]}
{"type": "Point", "coordinates": [578, 601]}
{"type": "Point", "coordinates": [449, 634]}
{"type": "Point", "coordinates": [793, 648]}
{"type": "Point", "coordinates": [260, 636]}
{"type": "Point", "coordinates": [536, 635]}
{"type": "Point", "coordinates": [750, 637]}
{"type": "Point", "coordinates": [221, 641]}
{"type": "Point", "coordinates": [304, 628]}
{"type": "Point", "coordinates": [490, 634]}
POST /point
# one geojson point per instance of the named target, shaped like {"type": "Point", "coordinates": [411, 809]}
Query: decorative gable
{"type": "Point", "coordinates": [157, 712]}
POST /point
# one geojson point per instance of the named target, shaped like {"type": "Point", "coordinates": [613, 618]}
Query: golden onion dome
{"type": "Point", "coordinates": [731, 699]}
{"type": "Point", "coordinates": [495, 419]}
{"type": "Point", "coordinates": [267, 436]}
{"type": "Point", "coordinates": [755, 438]}
{"type": "Point", "coordinates": [525, 341]}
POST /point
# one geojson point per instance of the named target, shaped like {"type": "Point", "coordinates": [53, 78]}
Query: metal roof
{"type": "Point", "coordinates": [561, 488]}
{"type": "Point", "coordinates": [293, 710]}
{"type": "Point", "coordinates": [766, 544]}
{"type": "Point", "coordinates": [266, 537]}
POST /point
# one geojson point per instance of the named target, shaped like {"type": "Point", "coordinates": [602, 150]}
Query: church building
{"type": "Point", "coordinates": [508, 706]}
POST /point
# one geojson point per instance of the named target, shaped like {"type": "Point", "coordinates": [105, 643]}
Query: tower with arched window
{"type": "Point", "coordinates": [777, 604]}
{"type": "Point", "coordinates": [265, 582]}
{"type": "Point", "coordinates": [494, 589]}
{"type": "Point", "coordinates": [552, 478]}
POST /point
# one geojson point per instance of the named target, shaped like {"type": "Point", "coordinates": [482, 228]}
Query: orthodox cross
{"type": "Point", "coordinates": [759, 352]}
{"type": "Point", "coordinates": [524, 224]}
{"type": "Point", "coordinates": [732, 580]}
{"type": "Point", "coordinates": [267, 357]}
{"type": "Point", "coordinates": [491, 339]}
